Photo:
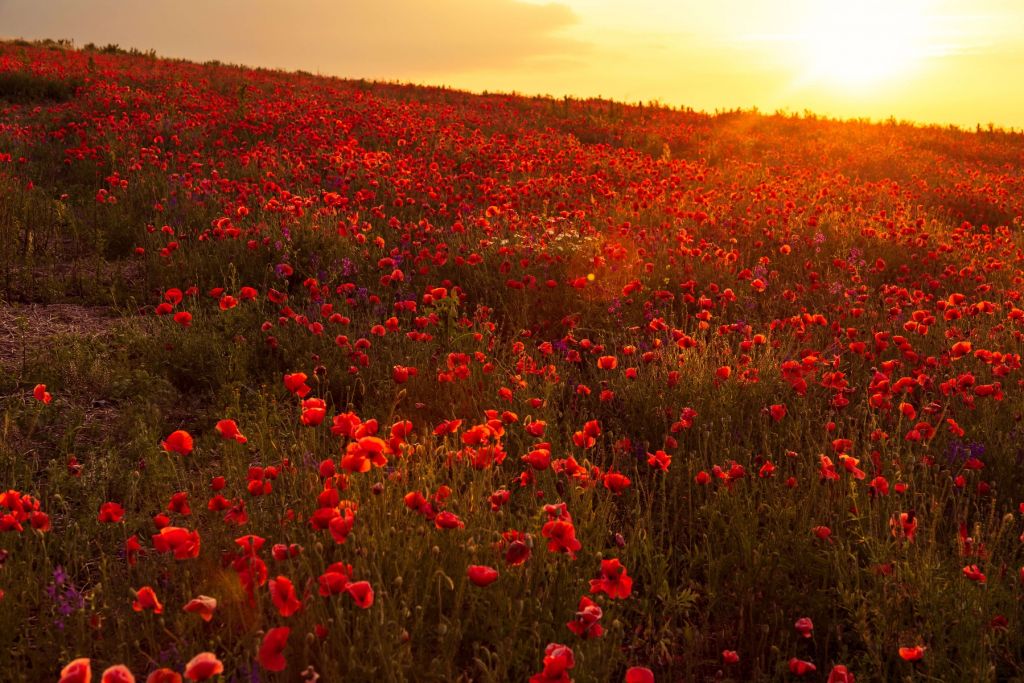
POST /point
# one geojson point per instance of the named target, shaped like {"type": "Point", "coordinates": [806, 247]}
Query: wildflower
{"type": "Point", "coordinates": [840, 674]}
{"type": "Point", "coordinates": [614, 581]}
{"type": "Point", "coordinates": [361, 592]}
{"type": "Point", "coordinates": [282, 592]}
{"type": "Point", "coordinates": [972, 572]}
{"type": "Point", "coordinates": [558, 660]}
{"type": "Point", "coordinates": [145, 599]}
{"type": "Point", "coordinates": [118, 673]}
{"type": "Point", "coordinates": [639, 674]}
{"type": "Point", "coordinates": [77, 671]}
{"type": "Point", "coordinates": [164, 675]}
{"type": "Point", "coordinates": [203, 666]}
{"type": "Point", "coordinates": [228, 429]}
{"type": "Point", "coordinates": [584, 623]}
{"type": "Point", "coordinates": [111, 513]}
{"type": "Point", "coordinates": [912, 654]}
{"type": "Point", "coordinates": [202, 605]}
{"type": "Point", "coordinates": [271, 655]}
{"type": "Point", "coordinates": [179, 442]}
{"type": "Point", "coordinates": [482, 575]}
{"type": "Point", "coordinates": [800, 667]}
{"type": "Point", "coordinates": [40, 393]}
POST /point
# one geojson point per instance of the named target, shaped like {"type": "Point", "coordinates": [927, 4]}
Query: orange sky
{"type": "Point", "coordinates": [934, 61]}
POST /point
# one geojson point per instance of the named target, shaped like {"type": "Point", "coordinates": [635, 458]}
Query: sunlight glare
{"type": "Point", "coordinates": [856, 44]}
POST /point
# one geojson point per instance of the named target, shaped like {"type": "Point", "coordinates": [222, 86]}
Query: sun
{"type": "Point", "coordinates": [858, 43]}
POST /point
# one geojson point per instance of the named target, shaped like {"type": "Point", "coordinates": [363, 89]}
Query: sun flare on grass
{"type": "Point", "coordinates": [860, 44]}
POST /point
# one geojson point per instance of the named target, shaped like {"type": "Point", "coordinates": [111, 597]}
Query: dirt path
{"type": "Point", "coordinates": [24, 329]}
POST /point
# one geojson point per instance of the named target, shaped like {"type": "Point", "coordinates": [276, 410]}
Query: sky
{"type": "Point", "coordinates": [930, 61]}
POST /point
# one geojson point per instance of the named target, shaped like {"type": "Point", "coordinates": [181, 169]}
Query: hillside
{"type": "Point", "coordinates": [419, 384]}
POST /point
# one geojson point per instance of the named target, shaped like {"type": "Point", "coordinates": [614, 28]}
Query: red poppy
{"type": "Point", "coordinates": [482, 575]}
{"type": "Point", "coordinates": [614, 581]}
{"type": "Point", "coordinates": [179, 442]}
{"type": "Point", "coordinates": [228, 429]}
{"type": "Point", "coordinates": [118, 673]}
{"type": "Point", "coordinates": [296, 383]}
{"type": "Point", "coordinates": [361, 592]}
{"type": "Point", "coordinates": [448, 520]}
{"type": "Point", "coordinates": [972, 572]}
{"type": "Point", "coordinates": [111, 513]}
{"type": "Point", "coordinates": [558, 660]}
{"type": "Point", "coordinates": [314, 410]}
{"type": "Point", "coordinates": [616, 482]}
{"type": "Point", "coordinates": [164, 676]}
{"type": "Point", "coordinates": [585, 622]}
{"type": "Point", "coordinates": [43, 396]}
{"type": "Point", "coordinates": [182, 542]}
{"type": "Point", "coordinates": [840, 674]}
{"type": "Point", "coordinates": [912, 654]}
{"type": "Point", "coordinates": [202, 605]}
{"type": "Point", "coordinates": [800, 667]}
{"type": "Point", "coordinates": [282, 592]}
{"type": "Point", "coordinates": [639, 674]}
{"type": "Point", "coordinates": [145, 599]}
{"type": "Point", "coordinates": [271, 655]}
{"type": "Point", "coordinates": [77, 671]}
{"type": "Point", "coordinates": [203, 666]}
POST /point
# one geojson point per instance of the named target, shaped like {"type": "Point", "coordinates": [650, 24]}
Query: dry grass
{"type": "Point", "coordinates": [26, 329]}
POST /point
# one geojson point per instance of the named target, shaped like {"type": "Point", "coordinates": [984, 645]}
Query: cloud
{"type": "Point", "coordinates": [371, 38]}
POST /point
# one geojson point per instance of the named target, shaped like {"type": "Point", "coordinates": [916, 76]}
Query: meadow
{"type": "Point", "coordinates": [312, 379]}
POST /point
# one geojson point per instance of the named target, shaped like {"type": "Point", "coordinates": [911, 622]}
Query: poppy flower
{"type": "Point", "coordinates": [182, 542]}
{"type": "Point", "coordinates": [282, 592]}
{"type": "Point", "coordinates": [77, 671]}
{"type": "Point", "coordinates": [912, 654]}
{"type": "Point", "coordinates": [659, 460]}
{"type": "Point", "coordinates": [145, 599]}
{"type": "Point", "coordinates": [335, 580]}
{"type": "Point", "coordinates": [448, 520]}
{"type": "Point", "coordinates": [314, 410]}
{"type": "Point", "coordinates": [111, 513]}
{"type": "Point", "coordinates": [730, 656]}
{"type": "Point", "coordinates": [164, 676]}
{"type": "Point", "coordinates": [132, 548]}
{"type": "Point", "coordinates": [616, 482]}
{"type": "Point", "coordinates": [972, 572]}
{"type": "Point", "coordinates": [341, 525]}
{"type": "Point", "coordinates": [614, 581]}
{"type": "Point", "coordinates": [40, 393]}
{"type": "Point", "coordinates": [804, 626]}
{"type": "Point", "coordinates": [118, 673]}
{"type": "Point", "coordinates": [639, 674]}
{"type": "Point", "coordinates": [840, 674]}
{"type": "Point", "coordinates": [482, 575]}
{"type": "Point", "coordinates": [800, 667]}
{"type": "Point", "coordinates": [296, 383]}
{"type": "Point", "coordinates": [561, 535]}
{"type": "Point", "coordinates": [585, 622]}
{"type": "Point", "coordinates": [271, 655]}
{"type": "Point", "coordinates": [228, 429]}
{"type": "Point", "coordinates": [203, 666]}
{"type": "Point", "coordinates": [558, 660]}
{"type": "Point", "coordinates": [361, 592]}
{"type": "Point", "coordinates": [202, 605]}
{"type": "Point", "coordinates": [179, 442]}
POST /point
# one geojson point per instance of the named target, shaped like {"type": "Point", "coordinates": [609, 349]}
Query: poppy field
{"type": "Point", "coordinates": [312, 379]}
